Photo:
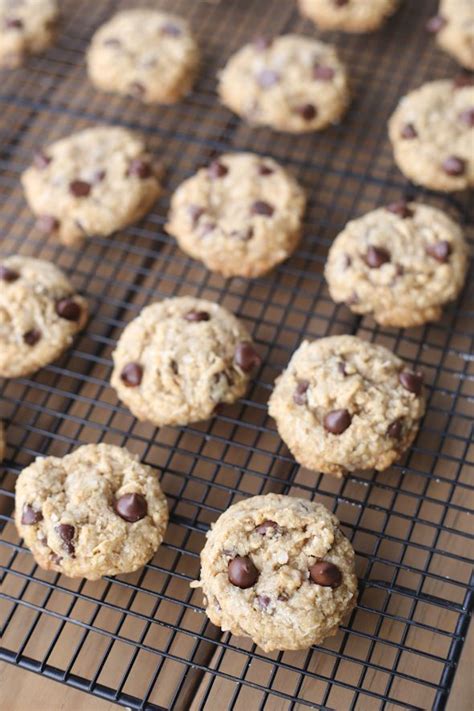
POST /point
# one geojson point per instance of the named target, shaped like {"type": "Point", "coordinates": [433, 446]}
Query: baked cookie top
{"type": "Point", "coordinates": [179, 359]}
{"type": "Point", "coordinates": [241, 215]}
{"type": "Point", "coordinates": [432, 134]}
{"type": "Point", "coordinates": [400, 263]}
{"type": "Point", "coordinates": [348, 15]}
{"type": "Point", "coordinates": [40, 313]}
{"type": "Point", "coordinates": [97, 511]}
{"type": "Point", "coordinates": [454, 29]}
{"type": "Point", "coordinates": [93, 182]}
{"type": "Point", "coordinates": [279, 570]}
{"type": "Point", "coordinates": [146, 54]}
{"type": "Point", "coordinates": [344, 404]}
{"type": "Point", "coordinates": [291, 83]}
{"type": "Point", "coordinates": [26, 27]}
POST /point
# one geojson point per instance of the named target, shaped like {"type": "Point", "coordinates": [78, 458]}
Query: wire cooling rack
{"type": "Point", "coordinates": [142, 640]}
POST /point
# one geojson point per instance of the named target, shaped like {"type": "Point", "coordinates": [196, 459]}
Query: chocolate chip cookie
{"type": "Point", "coordinates": [40, 313]}
{"type": "Point", "coordinates": [279, 570]}
{"type": "Point", "coordinates": [241, 215]}
{"type": "Point", "coordinates": [94, 182]}
{"type": "Point", "coordinates": [97, 511]}
{"type": "Point", "coordinates": [400, 263]}
{"type": "Point", "coordinates": [145, 54]}
{"type": "Point", "coordinates": [432, 134]}
{"type": "Point", "coordinates": [291, 83]}
{"type": "Point", "coordinates": [348, 15]}
{"type": "Point", "coordinates": [343, 404]}
{"type": "Point", "coordinates": [26, 27]}
{"type": "Point", "coordinates": [454, 30]}
{"type": "Point", "coordinates": [181, 358]}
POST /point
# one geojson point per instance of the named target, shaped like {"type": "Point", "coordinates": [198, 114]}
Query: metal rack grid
{"type": "Point", "coordinates": [142, 640]}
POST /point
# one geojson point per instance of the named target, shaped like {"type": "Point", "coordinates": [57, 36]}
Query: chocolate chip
{"type": "Point", "coordinates": [395, 430]}
{"type": "Point", "coordinates": [13, 23]}
{"type": "Point", "coordinates": [41, 160]}
{"type": "Point", "coordinates": [195, 213]}
{"type": "Point", "coordinates": [7, 274]}
{"type": "Point", "coordinates": [411, 381]}
{"type": "Point", "coordinates": [436, 23]}
{"type": "Point", "coordinates": [263, 601]}
{"type": "Point", "coordinates": [307, 112]}
{"type": "Point", "coordinates": [246, 357]}
{"type": "Point", "coordinates": [408, 131]}
{"type": "Point", "coordinates": [464, 80]}
{"type": "Point", "coordinates": [66, 533]}
{"type": "Point", "coordinates": [401, 209]}
{"type": "Point", "coordinates": [467, 117]}
{"type": "Point", "coordinates": [453, 165]}
{"type": "Point", "coordinates": [30, 516]}
{"type": "Point", "coordinates": [376, 256]}
{"type": "Point", "coordinates": [131, 507]}
{"type": "Point", "coordinates": [265, 527]}
{"type": "Point", "coordinates": [132, 375]}
{"type": "Point", "coordinates": [197, 316]}
{"type": "Point", "coordinates": [265, 169]}
{"type": "Point", "coordinates": [262, 43]}
{"type": "Point", "coordinates": [217, 170]}
{"type": "Point", "coordinates": [337, 421]}
{"type": "Point", "coordinates": [260, 207]}
{"type": "Point", "coordinates": [299, 396]}
{"type": "Point", "coordinates": [323, 72]}
{"type": "Point", "coordinates": [439, 250]}
{"type": "Point", "coordinates": [136, 90]}
{"type": "Point", "coordinates": [174, 367]}
{"type": "Point", "coordinates": [46, 224]}
{"type": "Point", "coordinates": [140, 169]}
{"type": "Point", "coordinates": [326, 574]}
{"type": "Point", "coordinates": [112, 42]}
{"type": "Point", "coordinates": [79, 188]}
{"type": "Point", "coordinates": [32, 337]}
{"type": "Point", "coordinates": [267, 78]}
{"type": "Point", "coordinates": [242, 573]}
{"type": "Point", "coordinates": [68, 309]}
{"type": "Point", "coordinates": [171, 29]}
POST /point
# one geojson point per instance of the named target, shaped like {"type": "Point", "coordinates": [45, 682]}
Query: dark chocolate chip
{"type": "Point", "coordinates": [263, 601]}
{"type": "Point", "coordinates": [439, 250]}
{"type": "Point", "coordinates": [267, 78]}
{"type": "Point", "coordinates": [197, 316]}
{"type": "Point", "coordinates": [265, 527]}
{"type": "Point", "coordinates": [453, 165]}
{"type": "Point", "coordinates": [242, 573]}
{"type": "Point", "coordinates": [299, 396]}
{"type": "Point", "coordinates": [260, 207]}
{"type": "Point", "coordinates": [246, 357]}
{"type": "Point", "coordinates": [467, 117]}
{"type": "Point", "coordinates": [262, 43]}
{"type": "Point", "coordinates": [337, 421]}
{"type": "Point", "coordinates": [66, 533]}
{"type": "Point", "coordinates": [395, 429]}
{"type": "Point", "coordinates": [376, 256]}
{"type": "Point", "coordinates": [132, 374]}
{"type": "Point", "coordinates": [47, 224]}
{"type": "Point", "coordinates": [411, 381]}
{"type": "Point", "coordinates": [68, 309]}
{"type": "Point", "coordinates": [464, 80]}
{"type": "Point", "coordinates": [323, 72]}
{"type": "Point", "coordinates": [436, 23]}
{"type": "Point", "coordinates": [79, 188]}
{"type": "Point", "coordinates": [41, 160]}
{"type": "Point", "coordinates": [29, 516]}
{"type": "Point", "coordinates": [7, 274]}
{"type": "Point", "coordinates": [112, 42]}
{"type": "Point", "coordinates": [13, 23]}
{"type": "Point", "coordinates": [265, 169]}
{"type": "Point", "coordinates": [171, 29]}
{"type": "Point", "coordinates": [217, 170]}
{"type": "Point", "coordinates": [136, 90]}
{"type": "Point", "coordinates": [307, 112]}
{"type": "Point", "coordinates": [174, 367]}
{"type": "Point", "coordinates": [401, 209]}
{"type": "Point", "coordinates": [140, 169]}
{"type": "Point", "coordinates": [32, 337]}
{"type": "Point", "coordinates": [131, 507]}
{"type": "Point", "coordinates": [409, 131]}
{"type": "Point", "coordinates": [326, 574]}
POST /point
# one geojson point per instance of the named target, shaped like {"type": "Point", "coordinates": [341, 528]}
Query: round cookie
{"type": "Point", "coordinates": [146, 54]}
{"type": "Point", "coordinates": [179, 359]}
{"type": "Point", "coordinates": [26, 27]}
{"type": "Point", "coordinates": [344, 404]}
{"type": "Point", "coordinates": [432, 134]}
{"type": "Point", "coordinates": [241, 215]}
{"type": "Point", "coordinates": [279, 570]}
{"type": "Point", "coordinates": [454, 29]}
{"type": "Point", "coordinates": [400, 263]}
{"type": "Point", "coordinates": [93, 182]}
{"type": "Point", "coordinates": [291, 83]}
{"type": "Point", "coordinates": [97, 511]}
{"type": "Point", "coordinates": [348, 15]}
{"type": "Point", "coordinates": [40, 313]}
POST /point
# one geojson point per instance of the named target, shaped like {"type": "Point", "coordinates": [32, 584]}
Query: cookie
{"type": "Point", "coordinates": [145, 54]}
{"type": "Point", "coordinates": [181, 358]}
{"type": "Point", "coordinates": [40, 313]}
{"type": "Point", "coordinates": [3, 443]}
{"type": "Point", "coordinates": [241, 215]}
{"type": "Point", "coordinates": [454, 30]}
{"type": "Point", "coordinates": [26, 27]}
{"type": "Point", "coordinates": [291, 83]}
{"type": "Point", "coordinates": [97, 511]}
{"type": "Point", "coordinates": [94, 182]}
{"type": "Point", "coordinates": [400, 263]}
{"type": "Point", "coordinates": [432, 134]}
{"type": "Point", "coordinates": [343, 404]}
{"type": "Point", "coordinates": [348, 15]}
{"type": "Point", "coordinates": [279, 570]}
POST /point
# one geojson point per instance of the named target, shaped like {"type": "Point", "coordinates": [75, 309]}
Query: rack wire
{"type": "Point", "coordinates": [142, 640]}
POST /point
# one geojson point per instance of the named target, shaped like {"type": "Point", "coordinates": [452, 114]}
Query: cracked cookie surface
{"type": "Point", "coordinates": [40, 313]}
{"type": "Point", "coordinates": [279, 570]}
{"type": "Point", "coordinates": [241, 215]}
{"type": "Point", "coordinates": [26, 27]}
{"type": "Point", "coordinates": [181, 358]}
{"type": "Point", "coordinates": [145, 54]}
{"type": "Point", "coordinates": [348, 15]}
{"type": "Point", "coordinates": [400, 263]}
{"type": "Point", "coordinates": [93, 182]}
{"type": "Point", "coordinates": [344, 404]}
{"type": "Point", "coordinates": [454, 30]}
{"type": "Point", "coordinates": [97, 511]}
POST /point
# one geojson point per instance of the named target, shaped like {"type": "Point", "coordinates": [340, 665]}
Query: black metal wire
{"type": "Point", "coordinates": [410, 525]}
